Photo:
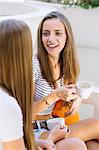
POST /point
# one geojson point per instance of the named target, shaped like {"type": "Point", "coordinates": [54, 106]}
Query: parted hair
{"type": "Point", "coordinates": [69, 65]}
{"type": "Point", "coordinates": [16, 69]}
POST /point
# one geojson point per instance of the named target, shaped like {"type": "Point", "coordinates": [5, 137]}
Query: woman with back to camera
{"type": "Point", "coordinates": [56, 70]}
{"type": "Point", "coordinates": [16, 86]}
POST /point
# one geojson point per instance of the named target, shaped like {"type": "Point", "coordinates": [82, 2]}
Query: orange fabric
{"type": "Point", "coordinates": [61, 108]}
{"type": "Point", "coordinates": [72, 119]}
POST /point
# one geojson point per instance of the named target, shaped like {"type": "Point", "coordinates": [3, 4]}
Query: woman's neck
{"type": "Point", "coordinates": [54, 61]}
{"type": "Point", "coordinates": [55, 68]}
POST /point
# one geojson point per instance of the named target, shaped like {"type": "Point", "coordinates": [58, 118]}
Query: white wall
{"type": "Point", "coordinates": [85, 25]}
{"type": "Point", "coordinates": [89, 64]}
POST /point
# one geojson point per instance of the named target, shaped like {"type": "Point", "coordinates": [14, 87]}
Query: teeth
{"type": "Point", "coordinates": [51, 46]}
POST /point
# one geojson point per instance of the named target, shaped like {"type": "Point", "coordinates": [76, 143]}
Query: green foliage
{"type": "Point", "coordinates": [82, 3]}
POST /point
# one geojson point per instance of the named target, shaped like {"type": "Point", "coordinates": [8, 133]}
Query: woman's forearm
{"type": "Point", "coordinates": [42, 117]}
{"type": "Point", "coordinates": [40, 105]}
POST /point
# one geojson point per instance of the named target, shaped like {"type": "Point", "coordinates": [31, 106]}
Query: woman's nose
{"type": "Point", "coordinates": [51, 38]}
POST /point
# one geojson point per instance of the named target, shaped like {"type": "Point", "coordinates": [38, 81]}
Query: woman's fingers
{"type": "Point", "coordinates": [50, 145]}
{"type": "Point", "coordinates": [39, 148]}
{"type": "Point", "coordinates": [45, 144]}
{"type": "Point", "coordinates": [71, 86]}
{"type": "Point", "coordinates": [71, 96]}
{"type": "Point", "coordinates": [67, 93]}
{"type": "Point", "coordinates": [58, 132]}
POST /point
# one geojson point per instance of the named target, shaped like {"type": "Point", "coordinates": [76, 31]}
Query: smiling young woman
{"type": "Point", "coordinates": [55, 72]}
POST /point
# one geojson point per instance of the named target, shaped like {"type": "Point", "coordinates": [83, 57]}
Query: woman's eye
{"type": "Point", "coordinates": [58, 33]}
{"type": "Point", "coordinates": [45, 33]}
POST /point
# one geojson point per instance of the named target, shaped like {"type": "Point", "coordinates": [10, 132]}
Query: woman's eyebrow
{"type": "Point", "coordinates": [58, 30]}
{"type": "Point", "coordinates": [45, 30]}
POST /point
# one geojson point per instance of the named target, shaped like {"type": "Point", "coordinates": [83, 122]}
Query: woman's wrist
{"type": "Point", "coordinates": [50, 136]}
{"type": "Point", "coordinates": [51, 98]}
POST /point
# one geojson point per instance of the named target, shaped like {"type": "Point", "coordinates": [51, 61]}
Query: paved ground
{"type": "Point", "coordinates": [44, 4]}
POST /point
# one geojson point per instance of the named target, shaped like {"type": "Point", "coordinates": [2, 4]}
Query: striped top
{"type": "Point", "coordinates": [42, 87]}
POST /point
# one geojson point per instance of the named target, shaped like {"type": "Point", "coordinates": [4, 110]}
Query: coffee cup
{"type": "Point", "coordinates": [51, 123]}
{"type": "Point", "coordinates": [84, 89]}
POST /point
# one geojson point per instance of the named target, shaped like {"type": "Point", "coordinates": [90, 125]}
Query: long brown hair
{"type": "Point", "coordinates": [69, 66]}
{"type": "Point", "coordinates": [16, 69]}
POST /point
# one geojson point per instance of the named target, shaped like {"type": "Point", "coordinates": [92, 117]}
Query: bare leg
{"type": "Point", "coordinates": [67, 143]}
{"type": "Point", "coordinates": [71, 144]}
{"type": "Point", "coordinates": [86, 130]}
{"type": "Point", "coordinates": [92, 145]}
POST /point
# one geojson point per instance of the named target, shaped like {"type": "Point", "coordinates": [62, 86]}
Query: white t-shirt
{"type": "Point", "coordinates": [11, 121]}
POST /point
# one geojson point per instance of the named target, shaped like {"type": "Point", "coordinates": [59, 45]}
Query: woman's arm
{"type": "Point", "coordinates": [11, 124]}
{"type": "Point", "coordinates": [58, 133]}
{"type": "Point", "coordinates": [14, 145]}
{"type": "Point", "coordinates": [42, 117]}
{"type": "Point", "coordinates": [75, 105]}
{"type": "Point", "coordinates": [66, 93]}
{"type": "Point", "coordinates": [46, 144]}
{"type": "Point", "coordinates": [45, 102]}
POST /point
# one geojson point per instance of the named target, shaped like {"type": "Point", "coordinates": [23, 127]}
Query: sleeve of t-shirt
{"type": "Point", "coordinates": [35, 69]}
{"type": "Point", "coordinates": [11, 121]}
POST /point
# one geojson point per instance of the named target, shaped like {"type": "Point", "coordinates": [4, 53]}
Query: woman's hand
{"type": "Point", "coordinates": [45, 144]}
{"type": "Point", "coordinates": [75, 105]}
{"type": "Point", "coordinates": [58, 133]}
{"type": "Point", "coordinates": [67, 93]}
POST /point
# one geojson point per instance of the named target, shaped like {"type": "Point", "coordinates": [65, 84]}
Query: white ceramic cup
{"type": "Point", "coordinates": [54, 121]}
{"type": "Point", "coordinates": [84, 89]}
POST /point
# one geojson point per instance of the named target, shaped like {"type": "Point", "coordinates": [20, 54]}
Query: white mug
{"type": "Point", "coordinates": [51, 123]}
{"type": "Point", "coordinates": [84, 89]}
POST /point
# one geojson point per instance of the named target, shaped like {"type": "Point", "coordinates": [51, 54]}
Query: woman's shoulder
{"type": "Point", "coordinates": [8, 104]}
{"type": "Point", "coordinates": [36, 65]}
{"type": "Point", "coordinates": [11, 122]}
{"type": "Point", "coordinates": [7, 100]}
